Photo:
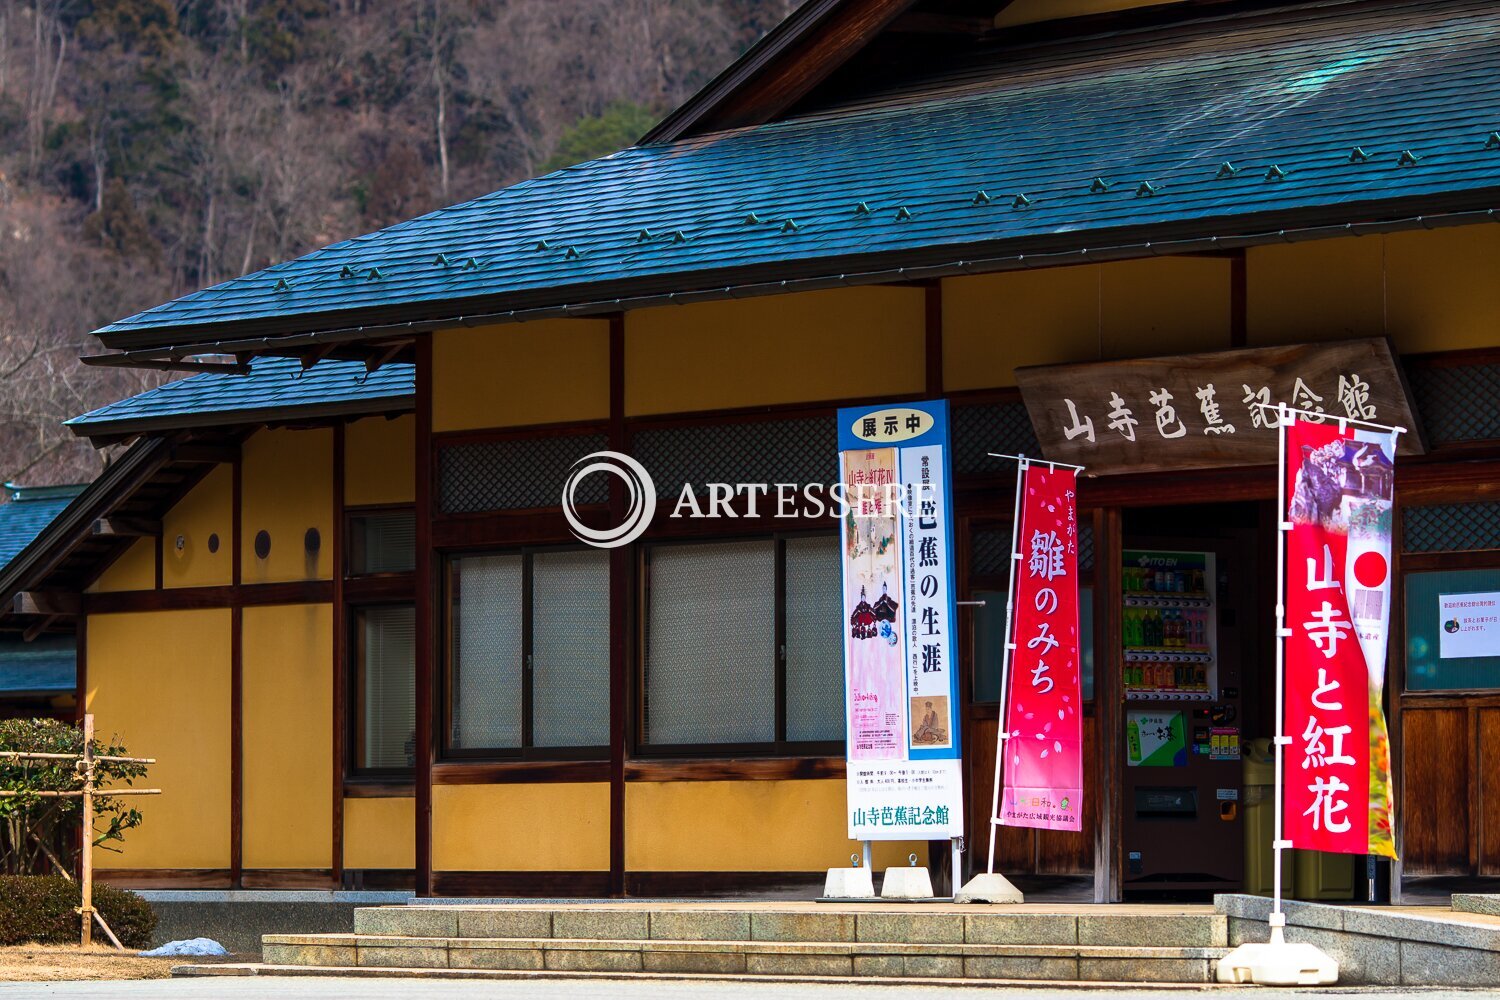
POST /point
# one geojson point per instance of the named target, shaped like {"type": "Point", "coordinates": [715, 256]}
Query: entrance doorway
{"type": "Point", "coordinates": [1197, 655]}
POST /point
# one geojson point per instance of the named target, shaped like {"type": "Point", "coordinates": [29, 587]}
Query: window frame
{"type": "Point", "coordinates": [352, 514]}
{"type": "Point", "coordinates": [355, 693]}
{"type": "Point", "coordinates": [447, 752]}
{"type": "Point", "coordinates": [779, 746]}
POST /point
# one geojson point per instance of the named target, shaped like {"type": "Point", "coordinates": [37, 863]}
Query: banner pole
{"type": "Point", "coordinates": [1003, 730]}
{"type": "Point", "coordinates": [1277, 919]}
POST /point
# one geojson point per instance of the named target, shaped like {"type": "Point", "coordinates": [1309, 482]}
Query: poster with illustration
{"type": "Point", "coordinates": [1155, 738]}
{"type": "Point", "coordinates": [903, 778]}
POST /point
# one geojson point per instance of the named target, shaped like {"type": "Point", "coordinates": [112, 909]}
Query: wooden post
{"type": "Point", "coordinates": [86, 862]}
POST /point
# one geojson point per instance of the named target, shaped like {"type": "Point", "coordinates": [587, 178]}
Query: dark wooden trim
{"type": "Point", "coordinates": [542, 885]}
{"type": "Point", "coordinates": [159, 569]}
{"type": "Point", "coordinates": [166, 878]}
{"type": "Point", "coordinates": [783, 68]}
{"type": "Point", "coordinates": [1427, 562]}
{"type": "Point", "coordinates": [933, 339]}
{"type": "Point", "coordinates": [426, 607]}
{"type": "Point", "coordinates": [197, 598]}
{"type": "Point", "coordinates": [1239, 324]}
{"type": "Point", "coordinates": [381, 588]}
{"type": "Point", "coordinates": [81, 669]}
{"type": "Point", "coordinates": [380, 879]}
{"type": "Point", "coordinates": [1109, 713]}
{"type": "Point", "coordinates": [621, 566]}
{"type": "Point", "coordinates": [665, 884]}
{"type": "Point", "coordinates": [236, 674]}
{"type": "Point", "coordinates": [340, 747]}
{"type": "Point", "coordinates": [735, 769]}
{"type": "Point", "coordinates": [485, 435]}
{"type": "Point", "coordinates": [379, 788]}
{"type": "Point", "coordinates": [289, 878]}
{"type": "Point", "coordinates": [518, 772]}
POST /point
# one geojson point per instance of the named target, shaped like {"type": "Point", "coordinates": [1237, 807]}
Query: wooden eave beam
{"type": "Point", "coordinates": [204, 454]}
{"type": "Point", "coordinates": [768, 90]}
{"type": "Point", "coordinates": [918, 22]}
{"type": "Point", "coordinates": [50, 603]}
{"type": "Point", "coordinates": [118, 526]}
{"type": "Point", "coordinates": [36, 630]}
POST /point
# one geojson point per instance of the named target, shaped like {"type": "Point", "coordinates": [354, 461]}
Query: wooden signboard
{"type": "Point", "coordinates": [1195, 411]}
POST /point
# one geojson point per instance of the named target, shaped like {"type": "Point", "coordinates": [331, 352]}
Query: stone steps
{"type": "Point", "coordinates": [795, 940]}
{"type": "Point", "coordinates": [832, 959]}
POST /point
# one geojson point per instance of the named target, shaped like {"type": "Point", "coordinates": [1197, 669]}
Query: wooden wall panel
{"type": "Point", "coordinates": [1060, 852]}
{"type": "Point", "coordinates": [1436, 769]}
{"type": "Point", "coordinates": [1487, 808]}
{"type": "Point", "coordinates": [1015, 849]}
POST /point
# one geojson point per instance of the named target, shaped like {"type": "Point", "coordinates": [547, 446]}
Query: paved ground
{"type": "Point", "coordinates": [410, 989]}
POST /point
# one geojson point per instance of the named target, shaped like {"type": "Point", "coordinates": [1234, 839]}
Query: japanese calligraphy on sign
{"type": "Point", "coordinates": [1336, 772]}
{"type": "Point", "coordinates": [1043, 762]}
{"type": "Point", "coordinates": [1199, 410]}
{"type": "Point", "coordinates": [901, 687]}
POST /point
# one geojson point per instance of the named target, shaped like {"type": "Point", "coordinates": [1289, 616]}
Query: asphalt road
{"type": "Point", "coordinates": [304, 988]}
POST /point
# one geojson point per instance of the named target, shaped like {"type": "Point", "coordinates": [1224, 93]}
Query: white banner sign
{"type": "Point", "coordinates": [1470, 625]}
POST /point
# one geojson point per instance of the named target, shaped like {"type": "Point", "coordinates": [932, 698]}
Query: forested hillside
{"type": "Point", "coordinates": [150, 147]}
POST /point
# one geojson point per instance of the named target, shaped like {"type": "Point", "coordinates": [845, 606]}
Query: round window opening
{"type": "Point", "coordinates": [213, 542]}
{"type": "Point", "coordinates": [262, 543]}
{"type": "Point", "coordinates": [312, 541]}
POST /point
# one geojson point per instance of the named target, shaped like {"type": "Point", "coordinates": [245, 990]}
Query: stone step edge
{"type": "Point", "coordinates": [974, 949]}
{"type": "Point", "coordinates": [369, 972]}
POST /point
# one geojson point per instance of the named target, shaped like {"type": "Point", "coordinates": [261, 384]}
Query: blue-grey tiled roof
{"type": "Point", "coordinates": [47, 665]}
{"type": "Point", "coordinates": [26, 513]}
{"type": "Point", "coordinates": [328, 388]}
{"type": "Point", "coordinates": [1211, 127]}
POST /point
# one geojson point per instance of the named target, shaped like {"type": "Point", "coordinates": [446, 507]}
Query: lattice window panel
{"type": "Point", "coordinates": [1456, 527]}
{"type": "Point", "coordinates": [516, 474]}
{"type": "Point", "coordinates": [989, 547]}
{"type": "Point", "coordinates": [801, 450]}
{"type": "Point", "coordinates": [983, 428]}
{"type": "Point", "coordinates": [1460, 403]}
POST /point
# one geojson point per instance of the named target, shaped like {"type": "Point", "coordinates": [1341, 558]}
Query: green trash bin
{"type": "Point", "coordinates": [1259, 812]}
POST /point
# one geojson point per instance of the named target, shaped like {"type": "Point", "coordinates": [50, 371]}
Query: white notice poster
{"type": "Point", "coordinates": [1470, 625]}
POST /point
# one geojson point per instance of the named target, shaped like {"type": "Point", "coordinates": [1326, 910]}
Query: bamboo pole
{"type": "Point", "coordinates": [86, 863]}
{"type": "Point", "coordinates": [102, 793]}
{"type": "Point", "coordinates": [26, 755]}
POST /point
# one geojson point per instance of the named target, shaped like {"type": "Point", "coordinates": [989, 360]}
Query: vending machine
{"type": "Point", "coordinates": [1183, 835]}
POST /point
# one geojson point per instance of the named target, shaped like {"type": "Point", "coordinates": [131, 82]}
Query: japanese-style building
{"type": "Point", "coordinates": [332, 587]}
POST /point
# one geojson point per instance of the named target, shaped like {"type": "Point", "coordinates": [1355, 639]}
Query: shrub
{"type": "Point", "coordinates": [41, 908]}
{"type": "Point", "coordinates": [31, 825]}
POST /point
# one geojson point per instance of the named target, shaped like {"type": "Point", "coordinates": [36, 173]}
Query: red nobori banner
{"type": "Point", "coordinates": [1336, 771]}
{"type": "Point", "coordinates": [1044, 752]}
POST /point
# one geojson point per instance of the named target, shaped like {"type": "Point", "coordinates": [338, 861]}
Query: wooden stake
{"type": "Point", "coordinates": [86, 911]}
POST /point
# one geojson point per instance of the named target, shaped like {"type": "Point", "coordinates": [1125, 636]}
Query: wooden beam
{"type": "Point", "coordinates": [35, 631]}
{"type": "Point", "coordinates": [766, 83]}
{"type": "Point", "coordinates": [918, 22]}
{"type": "Point", "coordinates": [51, 603]}
{"type": "Point", "coordinates": [127, 527]}
{"type": "Point", "coordinates": [204, 454]}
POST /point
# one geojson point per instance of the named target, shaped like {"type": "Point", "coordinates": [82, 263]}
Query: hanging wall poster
{"type": "Point", "coordinates": [1336, 773]}
{"type": "Point", "coordinates": [1470, 625]}
{"type": "Point", "coordinates": [1043, 766]}
{"type": "Point", "coordinates": [901, 688]}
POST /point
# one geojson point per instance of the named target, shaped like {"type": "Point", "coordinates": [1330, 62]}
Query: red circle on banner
{"type": "Point", "coordinates": [1370, 569]}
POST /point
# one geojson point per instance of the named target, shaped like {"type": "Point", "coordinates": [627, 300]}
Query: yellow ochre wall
{"type": "Point", "coordinates": [530, 827]}
{"type": "Point", "coordinates": [160, 681]}
{"type": "Point", "coordinates": [134, 570]}
{"type": "Point", "coordinates": [380, 461]}
{"type": "Point", "coordinates": [288, 736]}
{"type": "Point", "coordinates": [995, 323]}
{"type": "Point", "coordinates": [837, 344]}
{"type": "Point", "coordinates": [287, 482]}
{"type": "Point", "coordinates": [380, 833]}
{"type": "Point", "coordinates": [744, 826]}
{"type": "Point", "coordinates": [516, 374]}
{"type": "Point", "coordinates": [206, 510]}
{"type": "Point", "coordinates": [1428, 290]}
